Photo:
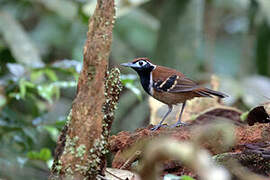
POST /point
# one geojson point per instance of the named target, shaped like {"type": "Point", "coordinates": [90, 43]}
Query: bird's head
{"type": "Point", "coordinates": [140, 65]}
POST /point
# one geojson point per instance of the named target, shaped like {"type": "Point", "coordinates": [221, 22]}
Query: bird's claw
{"type": "Point", "coordinates": [179, 124]}
{"type": "Point", "coordinates": [158, 126]}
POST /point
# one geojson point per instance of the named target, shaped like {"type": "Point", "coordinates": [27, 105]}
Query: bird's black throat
{"type": "Point", "coordinates": [145, 80]}
{"type": "Point", "coordinates": [145, 76]}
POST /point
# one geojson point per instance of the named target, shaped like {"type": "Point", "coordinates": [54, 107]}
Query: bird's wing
{"type": "Point", "coordinates": [170, 80]}
{"type": "Point", "coordinates": [174, 83]}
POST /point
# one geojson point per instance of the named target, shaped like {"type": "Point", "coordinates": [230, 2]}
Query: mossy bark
{"type": "Point", "coordinates": [83, 144]}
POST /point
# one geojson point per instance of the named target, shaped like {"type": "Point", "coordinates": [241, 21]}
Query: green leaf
{"type": "Point", "coordinates": [125, 81]}
{"type": "Point", "coordinates": [59, 124]}
{"type": "Point", "coordinates": [44, 154]}
{"type": "Point", "coordinates": [17, 96]}
{"type": "Point", "coordinates": [174, 177]}
{"type": "Point", "coordinates": [244, 116]}
{"type": "Point", "coordinates": [51, 74]}
{"type": "Point", "coordinates": [184, 177]}
{"type": "Point", "coordinates": [47, 92]}
{"type": "Point", "coordinates": [35, 74]}
{"type": "Point", "coordinates": [23, 84]}
{"type": "Point", "coordinates": [22, 88]}
{"type": "Point", "coordinates": [38, 72]}
{"type": "Point", "coordinates": [130, 78]}
{"type": "Point", "coordinates": [33, 155]}
{"type": "Point", "coordinates": [54, 132]}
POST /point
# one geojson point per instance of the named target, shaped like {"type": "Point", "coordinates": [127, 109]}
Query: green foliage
{"type": "Point", "coordinates": [33, 92]}
{"type": "Point", "coordinates": [174, 177]}
{"type": "Point", "coordinates": [186, 178]}
{"type": "Point", "coordinates": [244, 115]}
{"type": "Point", "coordinates": [27, 95]}
{"type": "Point", "coordinates": [53, 131]}
{"type": "Point", "coordinates": [44, 154]}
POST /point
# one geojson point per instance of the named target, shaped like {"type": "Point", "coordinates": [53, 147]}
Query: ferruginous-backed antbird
{"type": "Point", "coordinates": [168, 86]}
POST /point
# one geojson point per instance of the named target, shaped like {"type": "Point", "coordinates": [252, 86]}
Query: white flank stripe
{"type": "Point", "coordinates": [151, 84]}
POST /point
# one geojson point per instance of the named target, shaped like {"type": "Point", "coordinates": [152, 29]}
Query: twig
{"type": "Point", "coordinates": [131, 159]}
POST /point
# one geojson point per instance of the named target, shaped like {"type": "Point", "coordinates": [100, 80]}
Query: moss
{"type": "Point", "coordinates": [100, 147]}
{"type": "Point", "coordinates": [80, 151]}
{"type": "Point", "coordinates": [70, 144]}
{"type": "Point", "coordinates": [69, 171]}
{"type": "Point", "coordinates": [58, 166]}
{"type": "Point", "coordinates": [113, 87]}
{"type": "Point", "coordinates": [69, 117]}
{"type": "Point", "coordinates": [82, 169]}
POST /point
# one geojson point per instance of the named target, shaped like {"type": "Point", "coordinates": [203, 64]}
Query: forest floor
{"type": "Point", "coordinates": [251, 141]}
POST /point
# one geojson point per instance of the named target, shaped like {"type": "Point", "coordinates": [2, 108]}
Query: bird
{"type": "Point", "coordinates": [168, 86]}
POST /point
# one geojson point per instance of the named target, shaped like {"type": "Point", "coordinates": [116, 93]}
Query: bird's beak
{"type": "Point", "coordinates": [129, 64]}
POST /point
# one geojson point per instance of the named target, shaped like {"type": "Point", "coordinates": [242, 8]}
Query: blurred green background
{"type": "Point", "coordinates": [41, 48]}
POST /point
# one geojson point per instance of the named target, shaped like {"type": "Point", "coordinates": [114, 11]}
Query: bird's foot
{"type": "Point", "coordinates": [158, 126]}
{"type": "Point", "coordinates": [179, 124]}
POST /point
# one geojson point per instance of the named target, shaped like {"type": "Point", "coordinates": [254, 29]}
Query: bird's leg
{"type": "Point", "coordinates": [160, 123]}
{"type": "Point", "coordinates": [179, 123]}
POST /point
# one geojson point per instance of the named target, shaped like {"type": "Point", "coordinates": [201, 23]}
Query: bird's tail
{"type": "Point", "coordinates": [205, 92]}
{"type": "Point", "coordinates": [215, 93]}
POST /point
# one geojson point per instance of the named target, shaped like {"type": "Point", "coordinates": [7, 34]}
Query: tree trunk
{"type": "Point", "coordinates": [83, 144]}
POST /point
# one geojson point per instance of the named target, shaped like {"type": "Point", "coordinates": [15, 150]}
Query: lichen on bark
{"type": "Point", "coordinates": [83, 143]}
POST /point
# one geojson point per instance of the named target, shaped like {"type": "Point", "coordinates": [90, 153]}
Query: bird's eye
{"type": "Point", "coordinates": [140, 63]}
